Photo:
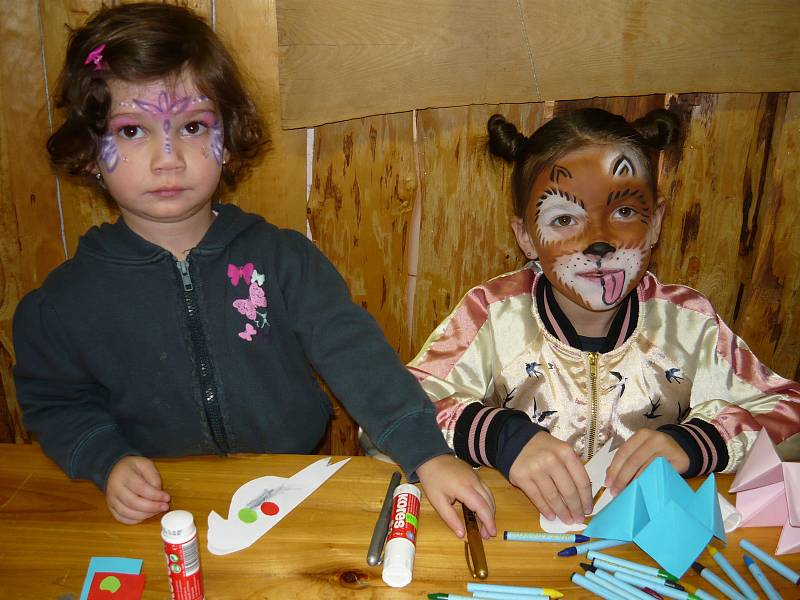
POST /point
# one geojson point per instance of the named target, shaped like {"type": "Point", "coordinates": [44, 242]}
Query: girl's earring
{"type": "Point", "coordinates": [98, 176]}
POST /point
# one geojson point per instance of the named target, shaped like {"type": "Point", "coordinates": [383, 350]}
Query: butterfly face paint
{"type": "Point", "coordinates": [162, 153]}
{"type": "Point", "coordinates": [592, 219]}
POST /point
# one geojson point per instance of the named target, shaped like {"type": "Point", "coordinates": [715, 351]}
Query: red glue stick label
{"type": "Point", "coordinates": [405, 517]}
{"type": "Point", "coordinates": [183, 567]}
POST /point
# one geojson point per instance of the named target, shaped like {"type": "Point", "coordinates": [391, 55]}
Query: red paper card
{"type": "Point", "coordinates": [116, 586]}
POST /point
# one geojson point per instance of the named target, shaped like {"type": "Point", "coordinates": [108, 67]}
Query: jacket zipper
{"type": "Point", "coordinates": [203, 360]}
{"type": "Point", "coordinates": [592, 405]}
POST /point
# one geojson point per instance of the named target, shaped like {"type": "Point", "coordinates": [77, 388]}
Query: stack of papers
{"type": "Point", "coordinates": [768, 493]}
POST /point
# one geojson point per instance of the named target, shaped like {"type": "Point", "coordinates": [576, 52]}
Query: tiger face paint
{"type": "Point", "coordinates": [592, 219]}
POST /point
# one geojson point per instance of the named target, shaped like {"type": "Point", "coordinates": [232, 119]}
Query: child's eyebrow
{"type": "Point", "coordinates": [558, 192]}
{"type": "Point", "coordinates": [626, 195]}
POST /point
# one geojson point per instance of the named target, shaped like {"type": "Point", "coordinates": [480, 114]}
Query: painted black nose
{"type": "Point", "coordinates": [599, 249]}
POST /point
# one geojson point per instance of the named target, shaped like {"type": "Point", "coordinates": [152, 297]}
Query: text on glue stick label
{"type": "Point", "coordinates": [183, 566]}
{"type": "Point", "coordinates": [405, 517]}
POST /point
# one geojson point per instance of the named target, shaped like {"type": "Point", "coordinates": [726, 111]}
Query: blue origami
{"type": "Point", "coordinates": [663, 516]}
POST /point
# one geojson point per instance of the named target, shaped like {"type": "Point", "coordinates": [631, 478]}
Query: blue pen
{"type": "Point", "coordinates": [770, 592]}
{"type": "Point", "coordinates": [513, 589]}
{"type": "Point", "coordinates": [630, 564]}
{"type": "Point", "coordinates": [717, 582]}
{"type": "Point", "coordinates": [630, 589]}
{"type": "Point", "coordinates": [540, 536]}
{"type": "Point", "coordinates": [657, 587]}
{"type": "Point", "coordinates": [772, 563]}
{"type": "Point", "coordinates": [593, 587]}
{"type": "Point", "coordinates": [612, 586]}
{"type": "Point", "coordinates": [507, 596]}
{"type": "Point", "coordinates": [612, 568]}
{"type": "Point", "coordinates": [728, 569]}
{"type": "Point", "coordinates": [595, 545]}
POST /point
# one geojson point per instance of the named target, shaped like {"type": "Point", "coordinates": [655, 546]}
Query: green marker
{"type": "Point", "coordinates": [631, 565]}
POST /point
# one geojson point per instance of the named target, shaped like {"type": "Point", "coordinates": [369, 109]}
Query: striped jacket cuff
{"type": "Point", "coordinates": [703, 445]}
{"type": "Point", "coordinates": [477, 433]}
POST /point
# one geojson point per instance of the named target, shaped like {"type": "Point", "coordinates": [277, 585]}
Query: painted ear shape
{"type": "Point", "coordinates": [623, 167]}
{"type": "Point", "coordinates": [557, 172]}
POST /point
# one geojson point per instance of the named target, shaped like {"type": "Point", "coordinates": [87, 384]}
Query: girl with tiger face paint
{"type": "Point", "coordinates": [592, 220]}
{"type": "Point", "coordinates": [537, 369]}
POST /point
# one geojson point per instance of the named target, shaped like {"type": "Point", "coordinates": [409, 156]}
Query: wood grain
{"type": "Point", "coordinates": [50, 527]}
{"type": "Point", "coordinates": [726, 202]}
{"type": "Point", "coordinates": [360, 204]}
{"type": "Point", "coordinates": [276, 188]}
{"type": "Point", "coordinates": [30, 244]}
{"type": "Point", "coordinates": [397, 55]}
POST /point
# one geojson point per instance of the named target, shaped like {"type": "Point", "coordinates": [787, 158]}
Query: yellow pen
{"type": "Point", "coordinates": [473, 546]}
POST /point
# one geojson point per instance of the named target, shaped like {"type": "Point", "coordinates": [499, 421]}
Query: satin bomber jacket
{"type": "Point", "coordinates": [674, 363]}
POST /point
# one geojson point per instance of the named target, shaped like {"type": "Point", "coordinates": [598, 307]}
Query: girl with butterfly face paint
{"type": "Point", "coordinates": [189, 326]}
{"type": "Point", "coordinates": [536, 369]}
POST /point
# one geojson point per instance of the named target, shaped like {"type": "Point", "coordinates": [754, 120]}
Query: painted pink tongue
{"type": "Point", "coordinates": [612, 286]}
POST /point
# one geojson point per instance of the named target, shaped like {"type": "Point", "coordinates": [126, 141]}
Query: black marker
{"type": "Point", "coordinates": [382, 524]}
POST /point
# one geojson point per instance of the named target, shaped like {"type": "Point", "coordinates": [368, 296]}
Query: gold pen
{"type": "Point", "coordinates": [474, 546]}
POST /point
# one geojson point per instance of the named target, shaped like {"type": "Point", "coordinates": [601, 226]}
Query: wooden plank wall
{"type": "Point", "coordinates": [731, 230]}
{"type": "Point", "coordinates": [398, 55]}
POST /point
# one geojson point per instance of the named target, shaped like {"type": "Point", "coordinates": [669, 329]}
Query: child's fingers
{"type": "Point", "coordinates": [531, 490]}
{"type": "Point", "coordinates": [150, 475]}
{"type": "Point", "coordinates": [570, 495]}
{"type": "Point", "coordinates": [583, 485]}
{"type": "Point", "coordinates": [622, 455]}
{"type": "Point", "coordinates": [553, 498]}
{"type": "Point", "coordinates": [448, 513]}
{"type": "Point", "coordinates": [480, 501]}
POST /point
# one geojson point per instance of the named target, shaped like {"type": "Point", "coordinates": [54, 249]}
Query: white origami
{"type": "Point", "coordinates": [260, 504]}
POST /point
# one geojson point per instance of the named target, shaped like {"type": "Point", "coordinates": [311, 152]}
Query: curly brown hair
{"type": "Point", "coordinates": [144, 42]}
{"type": "Point", "coordinates": [655, 131]}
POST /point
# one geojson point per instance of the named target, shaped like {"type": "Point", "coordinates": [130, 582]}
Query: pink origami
{"type": "Point", "coordinates": [768, 493]}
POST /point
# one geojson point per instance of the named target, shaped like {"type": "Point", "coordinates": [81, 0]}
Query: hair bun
{"type": "Point", "coordinates": [659, 128]}
{"type": "Point", "coordinates": [504, 139]}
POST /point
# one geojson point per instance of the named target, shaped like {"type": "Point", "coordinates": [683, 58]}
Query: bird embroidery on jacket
{"type": "Point", "coordinates": [619, 385]}
{"type": "Point", "coordinates": [540, 417]}
{"type": "Point", "coordinates": [672, 375]}
{"type": "Point", "coordinates": [651, 414]}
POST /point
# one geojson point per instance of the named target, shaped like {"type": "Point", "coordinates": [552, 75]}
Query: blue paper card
{"type": "Point", "coordinates": [109, 564]}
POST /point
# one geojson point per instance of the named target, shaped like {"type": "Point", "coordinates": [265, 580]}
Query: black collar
{"type": "Point", "coordinates": [556, 322]}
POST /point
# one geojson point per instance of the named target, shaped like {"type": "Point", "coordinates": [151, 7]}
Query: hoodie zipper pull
{"type": "Point", "coordinates": [183, 268]}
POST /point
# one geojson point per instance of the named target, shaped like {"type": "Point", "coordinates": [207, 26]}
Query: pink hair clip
{"type": "Point", "coordinates": [96, 57]}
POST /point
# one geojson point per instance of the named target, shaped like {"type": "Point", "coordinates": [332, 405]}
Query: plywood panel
{"type": "Point", "coordinates": [731, 207]}
{"type": "Point", "coordinates": [465, 236]}
{"type": "Point", "coordinates": [767, 313]}
{"type": "Point", "coordinates": [361, 200]}
{"type": "Point", "coordinates": [82, 204]}
{"type": "Point", "coordinates": [30, 244]}
{"type": "Point", "coordinates": [343, 60]}
{"type": "Point", "coordinates": [276, 188]}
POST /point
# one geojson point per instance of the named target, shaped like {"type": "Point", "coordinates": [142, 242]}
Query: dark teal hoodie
{"type": "Point", "coordinates": [126, 351]}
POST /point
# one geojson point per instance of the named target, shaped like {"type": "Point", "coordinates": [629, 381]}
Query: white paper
{"type": "Point", "coordinates": [247, 521]}
{"type": "Point", "coordinates": [596, 468]}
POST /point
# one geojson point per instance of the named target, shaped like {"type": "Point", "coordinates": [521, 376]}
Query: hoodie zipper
{"type": "Point", "coordinates": [202, 359]}
{"type": "Point", "coordinates": [590, 444]}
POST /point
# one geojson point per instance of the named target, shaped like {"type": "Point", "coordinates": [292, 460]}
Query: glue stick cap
{"type": "Point", "coordinates": [177, 526]}
{"type": "Point", "coordinates": [398, 563]}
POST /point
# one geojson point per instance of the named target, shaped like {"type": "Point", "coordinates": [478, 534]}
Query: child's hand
{"type": "Point", "coordinates": [133, 490]}
{"type": "Point", "coordinates": [637, 452]}
{"type": "Point", "coordinates": [554, 478]}
{"type": "Point", "coordinates": [446, 479]}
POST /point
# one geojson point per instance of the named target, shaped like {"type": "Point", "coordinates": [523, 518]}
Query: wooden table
{"type": "Point", "coordinates": [51, 526]}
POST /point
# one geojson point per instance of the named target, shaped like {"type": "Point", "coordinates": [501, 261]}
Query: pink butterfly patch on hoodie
{"type": "Point", "coordinates": [247, 306]}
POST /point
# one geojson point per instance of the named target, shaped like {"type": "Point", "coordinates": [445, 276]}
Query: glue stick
{"type": "Point", "coordinates": [183, 558]}
{"type": "Point", "coordinates": [401, 543]}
